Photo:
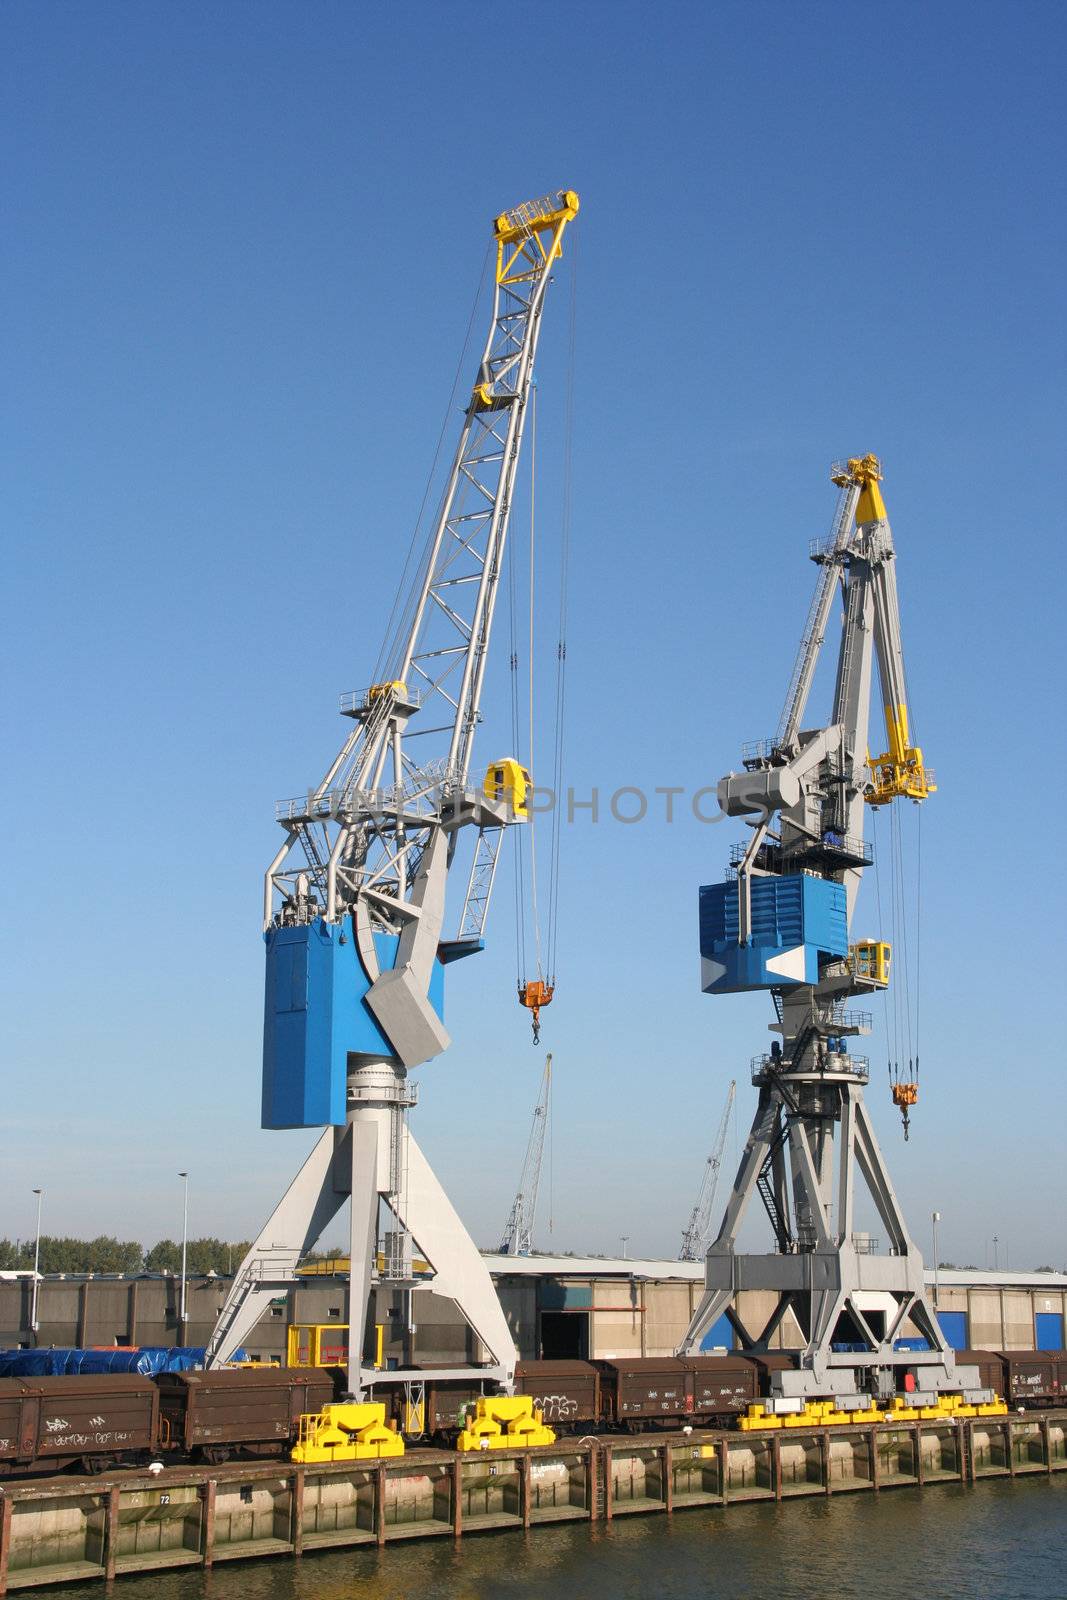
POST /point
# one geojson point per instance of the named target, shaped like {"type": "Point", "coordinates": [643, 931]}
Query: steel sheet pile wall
{"type": "Point", "coordinates": [68, 1530]}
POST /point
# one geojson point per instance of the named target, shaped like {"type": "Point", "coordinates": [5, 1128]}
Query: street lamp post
{"type": "Point", "coordinates": [624, 1240]}
{"type": "Point", "coordinates": [935, 1218]}
{"type": "Point", "coordinates": [996, 1252]}
{"type": "Point", "coordinates": [183, 1314]}
{"type": "Point", "coordinates": [36, 1267]}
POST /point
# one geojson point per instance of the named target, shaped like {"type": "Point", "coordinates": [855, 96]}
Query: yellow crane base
{"type": "Point", "coordinates": [500, 1422]}
{"type": "Point", "coordinates": [824, 1414]}
{"type": "Point", "coordinates": [346, 1431]}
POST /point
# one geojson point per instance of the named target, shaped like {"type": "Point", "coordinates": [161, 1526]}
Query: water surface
{"type": "Point", "coordinates": [995, 1541]}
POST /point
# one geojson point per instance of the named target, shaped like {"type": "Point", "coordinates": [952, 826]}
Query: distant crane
{"type": "Point", "coordinates": [518, 1233]}
{"type": "Point", "coordinates": [695, 1237]}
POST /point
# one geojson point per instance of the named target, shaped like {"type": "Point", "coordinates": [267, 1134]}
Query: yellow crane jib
{"type": "Point", "coordinates": [900, 772]}
{"type": "Point", "coordinates": [866, 472]}
{"type": "Point", "coordinates": [346, 1431]}
{"type": "Point", "coordinates": [500, 1422]}
{"type": "Point", "coordinates": [509, 780]}
{"type": "Point", "coordinates": [520, 249]}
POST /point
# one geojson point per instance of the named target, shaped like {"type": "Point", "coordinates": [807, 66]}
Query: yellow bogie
{"type": "Point", "coordinates": [500, 1422]}
{"type": "Point", "coordinates": [758, 1417]}
{"type": "Point", "coordinates": [346, 1431]}
{"type": "Point", "coordinates": [901, 1413]}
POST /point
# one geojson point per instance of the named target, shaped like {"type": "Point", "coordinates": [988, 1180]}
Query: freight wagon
{"type": "Point", "coordinates": [1033, 1378]}
{"type": "Point", "coordinates": [90, 1421]}
{"type": "Point", "coordinates": [643, 1389]}
{"type": "Point", "coordinates": [95, 1421]}
{"type": "Point", "coordinates": [212, 1416]}
{"type": "Point", "coordinates": [723, 1385]}
{"type": "Point", "coordinates": [568, 1392]}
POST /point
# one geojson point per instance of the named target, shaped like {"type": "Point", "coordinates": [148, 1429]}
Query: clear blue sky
{"type": "Point", "coordinates": [241, 246]}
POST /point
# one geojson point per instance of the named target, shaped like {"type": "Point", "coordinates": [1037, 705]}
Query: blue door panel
{"type": "Point", "coordinates": [954, 1327]}
{"type": "Point", "coordinates": [1048, 1325]}
{"type": "Point", "coordinates": [719, 1334]}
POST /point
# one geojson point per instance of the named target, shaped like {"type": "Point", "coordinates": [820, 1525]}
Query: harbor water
{"type": "Point", "coordinates": [998, 1540]}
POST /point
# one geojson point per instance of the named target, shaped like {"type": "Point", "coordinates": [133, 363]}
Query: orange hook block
{"type": "Point", "coordinates": [905, 1095]}
{"type": "Point", "coordinates": [533, 995]}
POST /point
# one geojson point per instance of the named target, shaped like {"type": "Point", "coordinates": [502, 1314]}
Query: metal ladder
{"type": "Point", "coordinates": [600, 1487]}
{"type": "Point", "coordinates": [242, 1286]}
{"type": "Point", "coordinates": [765, 1185]}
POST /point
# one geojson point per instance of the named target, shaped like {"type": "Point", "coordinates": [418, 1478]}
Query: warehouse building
{"type": "Point", "coordinates": [556, 1306]}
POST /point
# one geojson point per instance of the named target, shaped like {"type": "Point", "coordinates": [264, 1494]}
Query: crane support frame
{"type": "Point", "coordinates": [830, 1295]}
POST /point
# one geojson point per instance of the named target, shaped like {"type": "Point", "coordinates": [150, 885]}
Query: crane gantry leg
{"type": "Point", "coordinates": [373, 1159]}
{"type": "Point", "coordinates": [822, 1273]}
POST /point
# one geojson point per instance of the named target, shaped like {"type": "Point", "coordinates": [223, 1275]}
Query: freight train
{"type": "Point", "coordinates": [712, 1391]}
{"type": "Point", "coordinates": [91, 1422]}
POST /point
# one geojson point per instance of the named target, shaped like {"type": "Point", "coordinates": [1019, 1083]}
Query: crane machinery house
{"type": "Point", "coordinates": [316, 1014]}
{"type": "Point", "coordinates": [797, 921]}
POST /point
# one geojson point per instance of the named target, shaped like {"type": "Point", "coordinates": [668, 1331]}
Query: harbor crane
{"type": "Point", "coordinates": [354, 897]}
{"type": "Point", "coordinates": [518, 1231]}
{"type": "Point", "coordinates": [783, 924]}
{"type": "Point", "coordinates": [696, 1232]}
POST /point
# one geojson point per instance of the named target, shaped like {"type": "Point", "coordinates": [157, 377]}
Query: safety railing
{"type": "Point", "coordinates": [823, 549]}
{"type": "Point", "coordinates": [841, 1016]}
{"type": "Point", "coordinates": [758, 749]}
{"type": "Point", "coordinates": [366, 699]}
{"type": "Point", "coordinates": [425, 794]}
{"type": "Point", "coordinates": [845, 844]}
{"type": "Point", "coordinates": [834, 1064]}
{"type": "Point", "coordinates": [865, 1244]}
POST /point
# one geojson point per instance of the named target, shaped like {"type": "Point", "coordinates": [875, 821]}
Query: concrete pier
{"type": "Point", "coordinates": [65, 1530]}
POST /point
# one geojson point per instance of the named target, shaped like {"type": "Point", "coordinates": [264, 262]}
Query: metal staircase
{"type": "Point", "coordinates": [765, 1185]}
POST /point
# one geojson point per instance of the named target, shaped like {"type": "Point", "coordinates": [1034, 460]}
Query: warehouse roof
{"type": "Point", "coordinates": [534, 1266]}
{"type": "Point", "coordinates": [971, 1278]}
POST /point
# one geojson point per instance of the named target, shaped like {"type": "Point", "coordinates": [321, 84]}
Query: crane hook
{"type": "Point", "coordinates": [905, 1095]}
{"type": "Point", "coordinates": [534, 994]}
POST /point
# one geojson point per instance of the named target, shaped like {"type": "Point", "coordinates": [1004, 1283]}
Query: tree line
{"type": "Point", "coordinates": [107, 1254]}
